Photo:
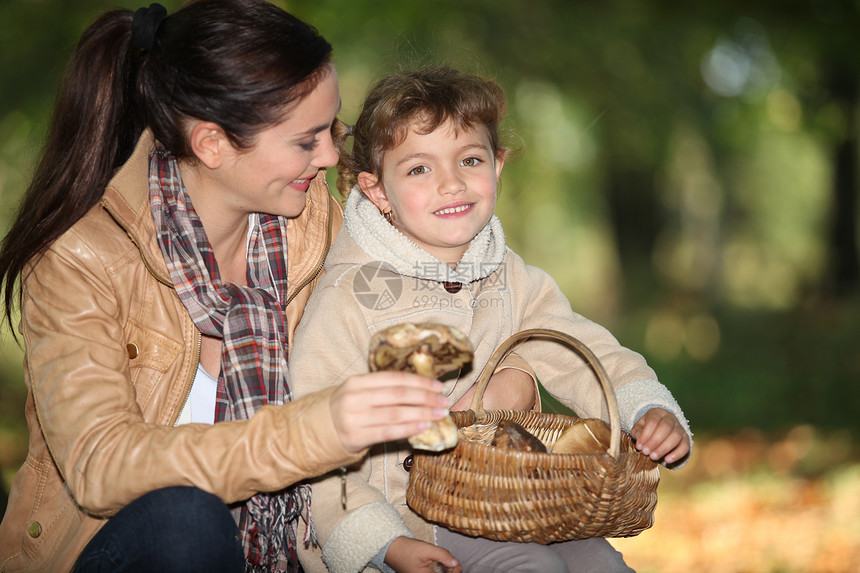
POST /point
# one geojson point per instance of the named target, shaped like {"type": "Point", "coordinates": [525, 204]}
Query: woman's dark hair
{"type": "Point", "coordinates": [426, 99]}
{"type": "Point", "coordinates": [237, 63]}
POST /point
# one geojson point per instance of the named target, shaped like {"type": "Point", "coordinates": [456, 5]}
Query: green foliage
{"type": "Point", "coordinates": [774, 371]}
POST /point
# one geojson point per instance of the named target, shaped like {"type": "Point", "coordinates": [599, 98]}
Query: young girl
{"type": "Point", "coordinates": [420, 230]}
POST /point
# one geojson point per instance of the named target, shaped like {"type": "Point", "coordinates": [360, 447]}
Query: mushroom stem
{"type": "Point", "coordinates": [423, 363]}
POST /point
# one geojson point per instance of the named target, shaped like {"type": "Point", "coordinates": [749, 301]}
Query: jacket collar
{"type": "Point", "coordinates": [126, 198]}
{"type": "Point", "coordinates": [382, 242]}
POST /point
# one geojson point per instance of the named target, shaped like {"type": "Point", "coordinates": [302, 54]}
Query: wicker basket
{"type": "Point", "coordinates": [507, 495]}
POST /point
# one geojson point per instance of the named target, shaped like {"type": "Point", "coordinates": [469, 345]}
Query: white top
{"type": "Point", "coordinates": [199, 408]}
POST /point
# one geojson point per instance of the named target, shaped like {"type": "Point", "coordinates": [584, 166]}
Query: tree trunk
{"type": "Point", "coordinates": [844, 258]}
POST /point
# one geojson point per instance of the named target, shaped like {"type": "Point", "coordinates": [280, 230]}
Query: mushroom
{"type": "Point", "coordinates": [427, 349]}
{"type": "Point", "coordinates": [513, 436]}
{"type": "Point", "coordinates": [586, 436]}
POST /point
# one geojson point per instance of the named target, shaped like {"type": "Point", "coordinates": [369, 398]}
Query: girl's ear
{"type": "Point", "coordinates": [372, 188]}
{"type": "Point", "coordinates": [209, 143]}
{"type": "Point", "coordinates": [500, 162]}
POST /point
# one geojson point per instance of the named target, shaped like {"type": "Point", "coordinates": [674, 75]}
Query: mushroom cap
{"type": "Point", "coordinates": [393, 347]}
{"type": "Point", "coordinates": [586, 436]}
{"type": "Point", "coordinates": [511, 435]}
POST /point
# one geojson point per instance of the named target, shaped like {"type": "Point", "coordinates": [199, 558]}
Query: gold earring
{"type": "Point", "coordinates": [387, 215]}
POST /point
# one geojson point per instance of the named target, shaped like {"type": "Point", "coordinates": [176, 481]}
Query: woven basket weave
{"type": "Point", "coordinates": [507, 495]}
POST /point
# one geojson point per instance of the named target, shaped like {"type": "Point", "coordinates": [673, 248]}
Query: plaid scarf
{"type": "Point", "coordinates": [251, 322]}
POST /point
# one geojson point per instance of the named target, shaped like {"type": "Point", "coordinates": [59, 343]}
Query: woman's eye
{"type": "Point", "coordinates": [421, 169]}
{"type": "Point", "coordinates": [470, 162]}
{"type": "Point", "coordinates": [308, 146]}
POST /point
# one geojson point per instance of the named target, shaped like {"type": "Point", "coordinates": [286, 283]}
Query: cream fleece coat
{"type": "Point", "coordinates": [500, 295]}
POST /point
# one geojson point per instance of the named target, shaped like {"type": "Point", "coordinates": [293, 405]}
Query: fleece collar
{"type": "Point", "coordinates": [381, 241]}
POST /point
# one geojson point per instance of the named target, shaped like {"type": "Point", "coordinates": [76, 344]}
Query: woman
{"type": "Point", "coordinates": [166, 246]}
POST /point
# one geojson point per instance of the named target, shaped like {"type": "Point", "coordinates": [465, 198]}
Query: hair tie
{"type": "Point", "coordinates": [145, 24]}
{"type": "Point", "coordinates": [349, 130]}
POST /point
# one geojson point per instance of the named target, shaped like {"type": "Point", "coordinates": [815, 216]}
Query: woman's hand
{"type": "Point", "coordinates": [385, 406]}
{"type": "Point", "coordinates": [407, 555]}
{"type": "Point", "coordinates": [659, 435]}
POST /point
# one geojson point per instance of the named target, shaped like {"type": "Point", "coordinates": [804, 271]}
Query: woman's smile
{"type": "Point", "coordinates": [301, 184]}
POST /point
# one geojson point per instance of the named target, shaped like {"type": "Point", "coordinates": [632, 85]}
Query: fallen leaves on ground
{"type": "Point", "coordinates": [748, 505]}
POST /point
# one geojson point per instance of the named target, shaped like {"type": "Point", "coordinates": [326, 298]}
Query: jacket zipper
{"type": "Point", "coordinates": [198, 344]}
{"type": "Point", "coordinates": [321, 263]}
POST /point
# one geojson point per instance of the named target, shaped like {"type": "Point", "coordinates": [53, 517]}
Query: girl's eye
{"type": "Point", "coordinates": [421, 169]}
{"type": "Point", "coordinates": [470, 162]}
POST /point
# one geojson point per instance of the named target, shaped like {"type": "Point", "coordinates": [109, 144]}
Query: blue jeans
{"type": "Point", "coordinates": [181, 529]}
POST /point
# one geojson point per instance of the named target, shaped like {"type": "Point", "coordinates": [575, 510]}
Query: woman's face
{"type": "Point", "coordinates": [273, 176]}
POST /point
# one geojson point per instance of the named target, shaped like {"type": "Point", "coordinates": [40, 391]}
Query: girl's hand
{"type": "Point", "coordinates": [407, 555]}
{"type": "Point", "coordinates": [385, 406]}
{"type": "Point", "coordinates": [659, 435]}
{"type": "Point", "coordinates": [509, 389]}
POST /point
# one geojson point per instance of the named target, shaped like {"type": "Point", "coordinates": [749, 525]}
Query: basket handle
{"type": "Point", "coordinates": [589, 356]}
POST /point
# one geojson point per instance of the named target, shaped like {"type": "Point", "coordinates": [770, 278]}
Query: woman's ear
{"type": "Point", "coordinates": [209, 143]}
{"type": "Point", "coordinates": [372, 188]}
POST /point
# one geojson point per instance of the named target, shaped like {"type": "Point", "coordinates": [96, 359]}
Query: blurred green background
{"type": "Point", "coordinates": [687, 171]}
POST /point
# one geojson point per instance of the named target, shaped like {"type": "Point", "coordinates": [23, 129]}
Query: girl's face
{"type": "Point", "coordinates": [273, 177]}
{"type": "Point", "coordinates": [440, 188]}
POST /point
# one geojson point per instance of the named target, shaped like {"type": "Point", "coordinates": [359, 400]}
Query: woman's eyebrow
{"type": "Point", "coordinates": [319, 128]}
{"type": "Point", "coordinates": [313, 130]}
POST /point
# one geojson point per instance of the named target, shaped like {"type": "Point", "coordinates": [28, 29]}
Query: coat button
{"type": "Point", "coordinates": [408, 463]}
{"type": "Point", "coordinates": [35, 529]}
{"type": "Point", "coordinates": [132, 349]}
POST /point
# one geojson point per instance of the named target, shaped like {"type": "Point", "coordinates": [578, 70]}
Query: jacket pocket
{"type": "Point", "coordinates": [148, 348]}
{"type": "Point", "coordinates": [150, 356]}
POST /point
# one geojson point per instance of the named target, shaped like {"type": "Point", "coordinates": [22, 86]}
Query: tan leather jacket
{"type": "Point", "coordinates": [110, 357]}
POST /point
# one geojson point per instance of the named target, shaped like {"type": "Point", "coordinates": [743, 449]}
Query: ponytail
{"type": "Point", "coordinates": [93, 130]}
{"type": "Point", "coordinates": [346, 177]}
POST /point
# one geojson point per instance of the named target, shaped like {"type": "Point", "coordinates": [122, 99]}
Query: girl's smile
{"type": "Point", "coordinates": [454, 211]}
